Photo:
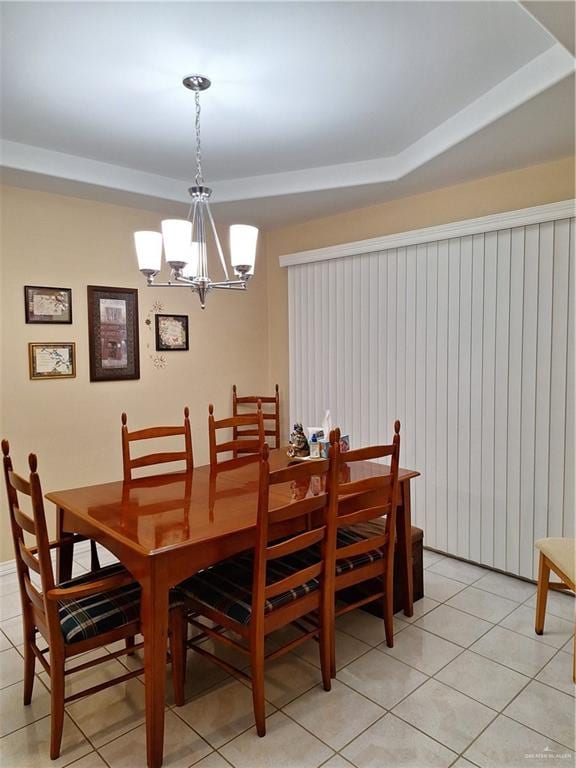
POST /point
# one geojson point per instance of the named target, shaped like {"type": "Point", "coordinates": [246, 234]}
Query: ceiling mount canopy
{"type": "Point", "coordinates": [185, 241]}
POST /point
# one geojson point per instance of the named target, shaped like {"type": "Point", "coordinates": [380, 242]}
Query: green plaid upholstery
{"type": "Point", "coordinates": [346, 536]}
{"type": "Point", "coordinates": [94, 615]}
{"type": "Point", "coordinates": [227, 587]}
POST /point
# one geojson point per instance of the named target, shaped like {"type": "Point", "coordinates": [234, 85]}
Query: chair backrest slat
{"type": "Point", "coordinates": [161, 457]}
{"type": "Point", "coordinates": [23, 520]}
{"type": "Point", "coordinates": [149, 433]}
{"type": "Point", "coordinates": [28, 557]}
{"type": "Point", "coordinates": [361, 547]}
{"type": "Point", "coordinates": [35, 596]}
{"type": "Point", "coordinates": [370, 452]}
{"type": "Point", "coordinates": [19, 484]}
{"type": "Point", "coordinates": [301, 471]}
{"type": "Point", "coordinates": [158, 458]}
{"type": "Point", "coordinates": [294, 580]}
{"type": "Point", "coordinates": [241, 404]}
{"type": "Point", "coordinates": [250, 448]}
{"type": "Point", "coordinates": [363, 515]}
{"type": "Point", "coordinates": [297, 509]}
{"type": "Point", "coordinates": [373, 483]}
{"type": "Point", "coordinates": [295, 543]}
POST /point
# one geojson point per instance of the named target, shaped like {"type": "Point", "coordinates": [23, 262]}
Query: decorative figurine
{"type": "Point", "coordinates": [298, 442]}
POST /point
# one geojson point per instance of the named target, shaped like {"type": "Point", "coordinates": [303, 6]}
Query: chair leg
{"type": "Point", "coordinates": [389, 603]}
{"type": "Point", "coordinates": [332, 640]}
{"type": "Point", "coordinates": [325, 646]}
{"type": "Point", "coordinates": [542, 595]}
{"type": "Point", "coordinates": [257, 668]}
{"type": "Point", "coordinates": [178, 648]}
{"type": "Point", "coordinates": [29, 664]}
{"type": "Point", "coordinates": [57, 705]}
{"type": "Point", "coordinates": [130, 645]}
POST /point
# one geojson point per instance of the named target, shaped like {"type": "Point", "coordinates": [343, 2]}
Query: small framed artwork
{"type": "Point", "coordinates": [47, 305]}
{"type": "Point", "coordinates": [171, 333]}
{"type": "Point", "coordinates": [52, 361]}
{"type": "Point", "coordinates": [113, 333]}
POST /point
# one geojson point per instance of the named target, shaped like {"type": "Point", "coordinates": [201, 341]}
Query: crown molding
{"type": "Point", "coordinates": [496, 221]}
{"type": "Point", "coordinates": [539, 74]}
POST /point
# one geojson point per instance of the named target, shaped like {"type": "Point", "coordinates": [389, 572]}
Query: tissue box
{"type": "Point", "coordinates": [344, 446]}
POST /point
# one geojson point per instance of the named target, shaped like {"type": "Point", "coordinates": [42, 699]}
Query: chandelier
{"type": "Point", "coordinates": [185, 240]}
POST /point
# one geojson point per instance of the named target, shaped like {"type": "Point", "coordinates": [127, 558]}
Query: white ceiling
{"type": "Point", "coordinates": [314, 108]}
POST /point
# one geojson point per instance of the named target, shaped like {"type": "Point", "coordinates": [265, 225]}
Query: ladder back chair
{"type": "Point", "coordinates": [276, 584]}
{"type": "Point", "coordinates": [362, 526]}
{"type": "Point", "coordinates": [250, 446]}
{"type": "Point", "coordinates": [152, 459]}
{"type": "Point", "coordinates": [76, 616]}
{"type": "Point", "coordinates": [270, 413]}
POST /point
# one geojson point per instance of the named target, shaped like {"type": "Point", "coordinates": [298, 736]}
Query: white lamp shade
{"type": "Point", "coordinates": [191, 268]}
{"type": "Point", "coordinates": [243, 239]}
{"type": "Point", "coordinates": [148, 250]}
{"type": "Point", "coordinates": [177, 235]}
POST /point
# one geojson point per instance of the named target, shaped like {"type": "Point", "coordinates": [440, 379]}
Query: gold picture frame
{"type": "Point", "coordinates": [52, 360]}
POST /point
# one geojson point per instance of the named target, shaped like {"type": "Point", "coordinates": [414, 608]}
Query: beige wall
{"type": "Point", "coordinates": [74, 425]}
{"type": "Point", "coordinates": [535, 185]}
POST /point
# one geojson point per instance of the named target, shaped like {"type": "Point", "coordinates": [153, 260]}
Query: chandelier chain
{"type": "Point", "coordinates": [199, 173]}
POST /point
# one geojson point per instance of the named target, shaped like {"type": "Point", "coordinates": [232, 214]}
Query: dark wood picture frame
{"type": "Point", "coordinates": [59, 295]}
{"type": "Point", "coordinates": [58, 369]}
{"type": "Point", "coordinates": [161, 345]}
{"type": "Point", "coordinates": [114, 345]}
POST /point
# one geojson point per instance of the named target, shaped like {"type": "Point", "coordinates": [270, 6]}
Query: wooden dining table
{"type": "Point", "coordinates": [165, 528]}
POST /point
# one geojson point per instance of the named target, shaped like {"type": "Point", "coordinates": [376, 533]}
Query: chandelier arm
{"type": "Point", "coordinates": [232, 285]}
{"type": "Point", "coordinates": [217, 241]}
{"type": "Point", "coordinates": [181, 282]}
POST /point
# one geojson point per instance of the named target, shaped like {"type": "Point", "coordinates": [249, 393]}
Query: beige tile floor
{"type": "Point", "coordinates": [466, 684]}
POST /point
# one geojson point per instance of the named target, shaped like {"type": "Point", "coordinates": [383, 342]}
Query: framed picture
{"type": "Point", "coordinates": [171, 333]}
{"type": "Point", "coordinates": [52, 361]}
{"type": "Point", "coordinates": [47, 305]}
{"type": "Point", "coordinates": [113, 333]}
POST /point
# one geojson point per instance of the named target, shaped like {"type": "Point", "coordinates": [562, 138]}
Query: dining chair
{"type": "Point", "coordinates": [83, 614]}
{"type": "Point", "coordinates": [153, 433]}
{"type": "Point", "coordinates": [557, 555]}
{"type": "Point", "coordinates": [267, 588]}
{"type": "Point", "coordinates": [362, 527]}
{"type": "Point", "coordinates": [250, 447]}
{"type": "Point", "coordinates": [270, 413]}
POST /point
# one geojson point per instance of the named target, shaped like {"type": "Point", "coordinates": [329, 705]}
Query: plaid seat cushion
{"type": "Point", "coordinates": [345, 536]}
{"type": "Point", "coordinates": [353, 534]}
{"type": "Point", "coordinates": [227, 587]}
{"type": "Point", "coordinates": [90, 616]}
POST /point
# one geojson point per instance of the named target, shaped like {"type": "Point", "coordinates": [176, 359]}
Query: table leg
{"type": "Point", "coordinates": [404, 532]}
{"type": "Point", "coordinates": [155, 629]}
{"type": "Point", "coordinates": [65, 551]}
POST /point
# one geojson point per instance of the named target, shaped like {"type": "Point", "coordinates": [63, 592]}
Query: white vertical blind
{"type": "Point", "coordinates": [470, 343]}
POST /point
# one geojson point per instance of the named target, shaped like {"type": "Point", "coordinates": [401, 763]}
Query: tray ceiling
{"type": "Point", "coordinates": [323, 100]}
